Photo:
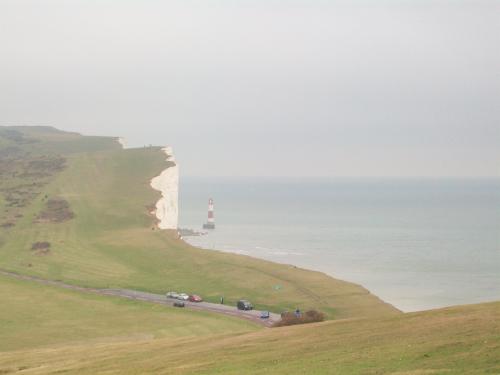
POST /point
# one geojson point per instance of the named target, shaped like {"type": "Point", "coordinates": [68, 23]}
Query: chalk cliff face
{"type": "Point", "coordinates": [167, 208]}
{"type": "Point", "coordinates": [121, 141]}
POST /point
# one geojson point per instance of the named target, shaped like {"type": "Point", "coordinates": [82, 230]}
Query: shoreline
{"type": "Point", "coordinates": [247, 254]}
{"type": "Point", "coordinates": [410, 243]}
{"type": "Point", "coordinates": [362, 285]}
{"type": "Point", "coordinates": [393, 281]}
{"type": "Point", "coordinates": [166, 212]}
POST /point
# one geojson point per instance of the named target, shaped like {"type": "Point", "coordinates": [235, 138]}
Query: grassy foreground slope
{"type": "Point", "coordinates": [112, 241]}
{"type": "Point", "coordinates": [459, 340]}
{"type": "Point", "coordinates": [35, 315]}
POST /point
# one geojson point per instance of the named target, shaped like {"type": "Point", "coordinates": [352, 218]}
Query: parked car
{"type": "Point", "coordinates": [179, 304]}
{"type": "Point", "coordinates": [195, 298]}
{"type": "Point", "coordinates": [264, 314]}
{"type": "Point", "coordinates": [244, 305]}
{"type": "Point", "coordinates": [172, 295]}
{"type": "Point", "coordinates": [183, 296]}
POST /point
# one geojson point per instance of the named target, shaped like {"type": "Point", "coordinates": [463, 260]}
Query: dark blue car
{"type": "Point", "coordinates": [264, 314]}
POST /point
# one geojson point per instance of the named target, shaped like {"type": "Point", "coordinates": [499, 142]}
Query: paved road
{"type": "Point", "coordinates": [251, 315]}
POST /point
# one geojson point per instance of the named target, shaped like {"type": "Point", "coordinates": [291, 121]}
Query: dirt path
{"type": "Point", "coordinates": [252, 315]}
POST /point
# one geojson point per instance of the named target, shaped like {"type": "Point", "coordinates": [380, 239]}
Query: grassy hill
{"type": "Point", "coordinates": [76, 209]}
{"type": "Point", "coordinates": [35, 315]}
{"type": "Point", "coordinates": [459, 340]}
{"type": "Point", "coordinates": [88, 223]}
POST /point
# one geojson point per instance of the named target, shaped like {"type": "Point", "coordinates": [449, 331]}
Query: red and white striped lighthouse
{"type": "Point", "coordinates": [210, 224]}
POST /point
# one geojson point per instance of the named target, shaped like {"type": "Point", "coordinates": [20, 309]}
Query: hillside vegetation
{"type": "Point", "coordinates": [77, 209]}
{"type": "Point", "coordinates": [108, 237]}
{"type": "Point", "coordinates": [35, 315]}
{"type": "Point", "coordinates": [460, 340]}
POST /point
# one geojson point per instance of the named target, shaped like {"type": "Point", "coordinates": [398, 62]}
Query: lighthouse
{"type": "Point", "coordinates": [210, 224]}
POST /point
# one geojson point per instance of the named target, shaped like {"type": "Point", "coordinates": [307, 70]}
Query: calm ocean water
{"type": "Point", "coordinates": [416, 243]}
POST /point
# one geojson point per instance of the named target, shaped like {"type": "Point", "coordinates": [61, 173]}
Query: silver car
{"type": "Point", "coordinates": [183, 296]}
{"type": "Point", "coordinates": [174, 295]}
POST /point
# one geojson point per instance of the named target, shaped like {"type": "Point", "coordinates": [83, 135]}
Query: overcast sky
{"type": "Point", "coordinates": [263, 87]}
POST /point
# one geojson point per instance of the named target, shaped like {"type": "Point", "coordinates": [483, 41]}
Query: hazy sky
{"type": "Point", "coordinates": [263, 87]}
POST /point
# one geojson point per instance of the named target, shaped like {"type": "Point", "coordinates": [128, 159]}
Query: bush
{"type": "Point", "coordinates": [41, 248]}
{"type": "Point", "coordinates": [57, 210]}
{"type": "Point", "coordinates": [40, 245]}
{"type": "Point", "coordinates": [289, 318]}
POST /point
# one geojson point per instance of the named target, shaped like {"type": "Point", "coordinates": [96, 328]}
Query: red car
{"type": "Point", "coordinates": [195, 298]}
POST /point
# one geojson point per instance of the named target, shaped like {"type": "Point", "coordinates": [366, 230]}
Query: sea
{"type": "Point", "coordinates": [418, 244]}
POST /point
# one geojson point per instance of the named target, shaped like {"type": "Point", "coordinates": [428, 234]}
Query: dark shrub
{"type": "Point", "coordinates": [41, 248]}
{"type": "Point", "coordinates": [57, 210]}
{"type": "Point", "coordinates": [289, 318]}
{"type": "Point", "coordinates": [40, 245]}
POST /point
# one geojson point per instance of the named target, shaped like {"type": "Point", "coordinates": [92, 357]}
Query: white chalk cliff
{"type": "Point", "coordinates": [121, 141]}
{"type": "Point", "coordinates": [167, 208]}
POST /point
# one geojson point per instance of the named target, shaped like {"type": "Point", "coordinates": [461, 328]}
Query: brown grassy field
{"type": "Point", "coordinates": [458, 340]}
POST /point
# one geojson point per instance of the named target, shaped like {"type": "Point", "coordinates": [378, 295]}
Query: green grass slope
{"type": "Point", "coordinates": [459, 340]}
{"type": "Point", "coordinates": [30, 157]}
{"type": "Point", "coordinates": [112, 240]}
{"type": "Point", "coordinates": [35, 315]}
{"type": "Point", "coordinates": [39, 140]}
